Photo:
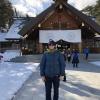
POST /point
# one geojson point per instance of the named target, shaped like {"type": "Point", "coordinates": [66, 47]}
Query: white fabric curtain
{"type": "Point", "coordinates": [73, 36]}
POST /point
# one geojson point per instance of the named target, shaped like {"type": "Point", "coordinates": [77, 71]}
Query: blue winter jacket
{"type": "Point", "coordinates": [75, 58]}
{"type": "Point", "coordinates": [86, 51]}
{"type": "Point", "coordinates": [52, 64]}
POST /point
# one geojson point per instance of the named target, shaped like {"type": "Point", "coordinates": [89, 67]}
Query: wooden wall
{"type": "Point", "coordinates": [60, 20]}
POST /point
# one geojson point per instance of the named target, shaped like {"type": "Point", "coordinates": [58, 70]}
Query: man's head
{"type": "Point", "coordinates": [51, 45]}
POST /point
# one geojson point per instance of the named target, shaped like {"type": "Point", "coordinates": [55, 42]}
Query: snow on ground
{"type": "Point", "coordinates": [81, 85]}
{"type": "Point", "coordinates": [12, 76]}
{"type": "Point", "coordinates": [8, 54]}
{"type": "Point", "coordinates": [96, 63]}
{"type": "Point", "coordinates": [84, 78]}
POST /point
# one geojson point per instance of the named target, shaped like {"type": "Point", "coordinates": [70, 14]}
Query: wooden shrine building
{"type": "Point", "coordinates": [62, 23]}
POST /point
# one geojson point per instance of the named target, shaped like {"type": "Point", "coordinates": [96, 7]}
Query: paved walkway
{"type": "Point", "coordinates": [82, 84]}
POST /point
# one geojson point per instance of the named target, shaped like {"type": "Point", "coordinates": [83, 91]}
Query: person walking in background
{"type": "Point", "coordinates": [52, 69]}
{"type": "Point", "coordinates": [64, 54]}
{"type": "Point", "coordinates": [75, 59]}
{"type": "Point", "coordinates": [68, 54]}
{"type": "Point", "coordinates": [73, 51]}
{"type": "Point", "coordinates": [86, 52]}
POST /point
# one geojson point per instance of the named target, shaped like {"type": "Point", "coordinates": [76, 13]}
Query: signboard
{"type": "Point", "coordinates": [73, 36]}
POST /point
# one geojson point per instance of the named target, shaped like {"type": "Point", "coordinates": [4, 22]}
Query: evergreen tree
{"type": "Point", "coordinates": [97, 11]}
{"type": "Point", "coordinates": [94, 11]}
{"type": "Point", "coordinates": [6, 13]}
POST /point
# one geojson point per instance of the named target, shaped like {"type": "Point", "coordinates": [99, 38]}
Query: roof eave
{"type": "Point", "coordinates": [36, 20]}
{"type": "Point", "coordinates": [84, 17]}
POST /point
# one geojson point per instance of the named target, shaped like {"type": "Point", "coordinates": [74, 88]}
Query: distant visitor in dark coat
{"type": "Point", "coordinates": [86, 52]}
{"type": "Point", "coordinates": [75, 59]}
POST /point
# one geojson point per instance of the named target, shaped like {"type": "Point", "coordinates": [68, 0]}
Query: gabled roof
{"type": "Point", "coordinates": [2, 37]}
{"type": "Point", "coordinates": [14, 29]}
{"type": "Point", "coordinates": [12, 33]}
{"type": "Point", "coordinates": [42, 16]}
{"type": "Point", "coordinates": [36, 20]}
{"type": "Point", "coordinates": [84, 18]}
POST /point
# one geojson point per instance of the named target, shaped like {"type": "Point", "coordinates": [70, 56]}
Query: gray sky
{"type": "Point", "coordinates": [33, 7]}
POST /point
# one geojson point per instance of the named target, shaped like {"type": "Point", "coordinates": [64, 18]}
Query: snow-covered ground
{"type": "Point", "coordinates": [12, 76]}
{"type": "Point", "coordinates": [82, 83]}
{"type": "Point", "coordinates": [96, 63]}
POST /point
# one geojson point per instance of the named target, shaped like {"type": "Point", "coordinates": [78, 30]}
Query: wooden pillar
{"type": "Point", "coordinates": [80, 47]}
{"type": "Point", "coordinates": [40, 48]}
{"type": "Point", "coordinates": [37, 48]}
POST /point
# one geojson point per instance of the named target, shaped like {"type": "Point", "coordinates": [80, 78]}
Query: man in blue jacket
{"type": "Point", "coordinates": [86, 52]}
{"type": "Point", "coordinates": [52, 69]}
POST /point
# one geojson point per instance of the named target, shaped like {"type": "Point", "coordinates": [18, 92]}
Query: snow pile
{"type": "Point", "coordinates": [9, 54]}
{"type": "Point", "coordinates": [12, 77]}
